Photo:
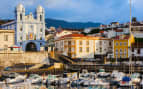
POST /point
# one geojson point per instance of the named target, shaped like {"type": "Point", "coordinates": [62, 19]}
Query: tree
{"type": "Point", "coordinates": [134, 19]}
{"type": "Point", "coordinates": [93, 31]}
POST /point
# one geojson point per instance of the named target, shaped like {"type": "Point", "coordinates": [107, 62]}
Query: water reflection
{"type": "Point", "coordinates": [21, 86]}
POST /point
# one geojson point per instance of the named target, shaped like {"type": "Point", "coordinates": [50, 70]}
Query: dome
{"type": "Point", "coordinates": [40, 8]}
{"type": "Point", "coordinates": [20, 7]}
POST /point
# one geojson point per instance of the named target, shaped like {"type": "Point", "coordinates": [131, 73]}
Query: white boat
{"type": "Point", "coordinates": [18, 79]}
{"type": "Point", "coordinates": [34, 79]}
{"type": "Point", "coordinates": [51, 79]}
{"type": "Point", "coordinates": [141, 83]}
{"type": "Point", "coordinates": [125, 84]}
{"type": "Point", "coordinates": [63, 81]}
{"type": "Point", "coordinates": [96, 82]}
{"type": "Point", "coordinates": [117, 75]}
{"type": "Point", "coordinates": [135, 77]}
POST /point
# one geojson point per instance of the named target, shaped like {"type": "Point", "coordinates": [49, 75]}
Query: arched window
{"type": "Point", "coordinates": [20, 16]}
{"type": "Point", "coordinates": [41, 30]}
{"type": "Point", "coordinates": [40, 38]}
{"type": "Point", "coordinates": [40, 17]}
{"type": "Point", "coordinates": [21, 29]}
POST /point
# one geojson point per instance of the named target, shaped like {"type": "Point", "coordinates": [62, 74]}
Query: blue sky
{"type": "Point", "coordinates": [104, 11]}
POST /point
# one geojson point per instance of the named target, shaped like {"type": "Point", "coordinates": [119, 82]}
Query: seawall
{"type": "Point", "coordinates": [10, 58]}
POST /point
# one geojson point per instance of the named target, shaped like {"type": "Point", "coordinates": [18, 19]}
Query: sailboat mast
{"type": "Point", "coordinates": [130, 27]}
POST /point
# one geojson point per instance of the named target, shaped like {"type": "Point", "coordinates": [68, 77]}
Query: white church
{"type": "Point", "coordinates": [29, 29]}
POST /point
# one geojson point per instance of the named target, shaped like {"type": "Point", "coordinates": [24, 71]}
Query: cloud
{"type": "Point", "coordinates": [77, 10]}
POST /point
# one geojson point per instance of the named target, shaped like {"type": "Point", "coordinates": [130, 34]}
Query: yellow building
{"type": "Point", "coordinates": [120, 46]}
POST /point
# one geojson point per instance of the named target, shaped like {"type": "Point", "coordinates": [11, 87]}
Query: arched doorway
{"type": "Point", "coordinates": [31, 47]}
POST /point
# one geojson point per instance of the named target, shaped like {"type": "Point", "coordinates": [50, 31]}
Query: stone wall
{"type": "Point", "coordinates": [10, 58]}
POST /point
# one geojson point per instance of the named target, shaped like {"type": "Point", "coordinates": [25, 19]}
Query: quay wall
{"type": "Point", "coordinates": [10, 58]}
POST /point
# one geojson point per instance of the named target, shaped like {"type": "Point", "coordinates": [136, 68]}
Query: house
{"type": "Point", "coordinates": [7, 39]}
{"type": "Point", "coordinates": [64, 31]}
{"type": "Point", "coordinates": [137, 30]}
{"type": "Point", "coordinates": [81, 46]}
{"type": "Point", "coordinates": [120, 47]}
{"type": "Point", "coordinates": [115, 24]}
{"type": "Point", "coordinates": [137, 49]}
{"type": "Point", "coordinates": [102, 47]}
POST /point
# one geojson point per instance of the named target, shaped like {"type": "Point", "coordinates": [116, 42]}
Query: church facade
{"type": "Point", "coordinates": [29, 29]}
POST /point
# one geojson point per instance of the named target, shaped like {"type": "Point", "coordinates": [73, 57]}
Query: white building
{"type": "Point", "coordinates": [80, 46]}
{"type": "Point", "coordinates": [64, 32]}
{"type": "Point", "coordinates": [29, 29]}
{"type": "Point", "coordinates": [138, 31]}
{"type": "Point", "coordinates": [102, 46]}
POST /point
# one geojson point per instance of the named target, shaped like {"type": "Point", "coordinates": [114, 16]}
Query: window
{"type": "Point", "coordinates": [69, 49]}
{"type": "Point", "coordinates": [26, 37]}
{"type": "Point", "coordinates": [100, 49]}
{"type": "Point", "coordinates": [73, 42]}
{"type": "Point", "coordinates": [116, 43]}
{"type": "Point", "coordinates": [116, 51]}
{"type": "Point", "coordinates": [66, 42]}
{"type": "Point", "coordinates": [20, 16]}
{"type": "Point", "coordinates": [138, 51]}
{"type": "Point", "coordinates": [5, 46]}
{"type": "Point", "coordinates": [120, 56]}
{"type": "Point", "coordinates": [100, 42]}
{"type": "Point", "coordinates": [20, 43]}
{"type": "Point", "coordinates": [132, 49]}
{"type": "Point", "coordinates": [21, 38]}
{"type": "Point", "coordinates": [69, 54]}
{"type": "Point", "coordinates": [31, 26]}
{"type": "Point", "coordinates": [80, 42]}
{"type": "Point", "coordinates": [40, 17]}
{"type": "Point", "coordinates": [34, 37]}
{"type": "Point", "coordinates": [40, 44]}
{"type": "Point", "coordinates": [120, 51]}
{"type": "Point", "coordinates": [73, 49]}
{"type": "Point", "coordinates": [125, 51]}
{"type": "Point", "coordinates": [69, 42]}
{"type": "Point", "coordinates": [62, 43]}
{"type": "Point", "coordinates": [120, 43]}
{"type": "Point", "coordinates": [87, 49]}
{"type": "Point", "coordinates": [73, 55]}
{"type": "Point", "coordinates": [21, 29]}
{"type": "Point", "coordinates": [80, 49]}
{"type": "Point", "coordinates": [110, 43]}
{"type": "Point", "coordinates": [40, 38]}
{"type": "Point", "coordinates": [41, 30]}
{"type": "Point", "coordinates": [5, 37]}
{"type": "Point", "coordinates": [87, 42]}
{"type": "Point", "coordinates": [125, 43]}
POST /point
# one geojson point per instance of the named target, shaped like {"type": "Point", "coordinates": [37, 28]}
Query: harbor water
{"type": "Point", "coordinates": [31, 86]}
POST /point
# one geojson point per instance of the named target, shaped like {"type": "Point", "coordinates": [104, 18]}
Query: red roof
{"type": "Point", "coordinates": [73, 35]}
{"type": "Point", "coordinates": [119, 30]}
{"type": "Point", "coordinates": [81, 35]}
{"type": "Point", "coordinates": [101, 32]}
